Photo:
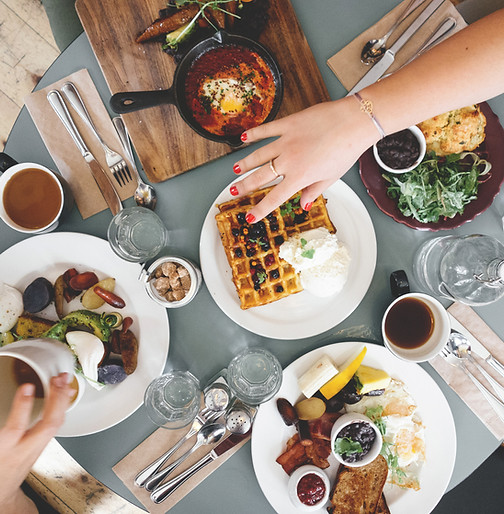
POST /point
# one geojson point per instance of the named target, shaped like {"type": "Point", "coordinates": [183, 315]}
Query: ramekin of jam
{"type": "Point", "coordinates": [402, 151]}
{"type": "Point", "coordinates": [355, 440]}
{"type": "Point", "coordinates": [308, 488]}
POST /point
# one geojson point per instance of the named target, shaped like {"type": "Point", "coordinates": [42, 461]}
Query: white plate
{"type": "Point", "coordinates": [270, 434]}
{"type": "Point", "coordinates": [49, 256]}
{"type": "Point", "coordinates": [299, 315]}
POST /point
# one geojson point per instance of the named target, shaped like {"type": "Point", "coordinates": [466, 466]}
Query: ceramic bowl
{"type": "Point", "coordinates": [294, 480]}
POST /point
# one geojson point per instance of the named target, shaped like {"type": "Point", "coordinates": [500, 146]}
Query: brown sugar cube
{"type": "Point", "coordinates": [168, 268]}
{"type": "Point", "coordinates": [158, 272]}
{"type": "Point", "coordinates": [182, 272]}
{"type": "Point", "coordinates": [169, 296]}
{"type": "Point", "coordinates": [178, 294]}
{"type": "Point", "coordinates": [162, 285]}
{"type": "Point", "coordinates": [174, 282]}
{"type": "Point", "coordinates": [186, 282]}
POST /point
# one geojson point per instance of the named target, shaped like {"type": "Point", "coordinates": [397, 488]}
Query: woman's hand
{"type": "Point", "coordinates": [315, 147]}
{"type": "Point", "coordinates": [20, 446]}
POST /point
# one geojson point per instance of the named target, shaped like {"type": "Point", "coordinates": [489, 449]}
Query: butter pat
{"type": "Point", "coordinates": [320, 373]}
{"type": "Point", "coordinates": [371, 379]}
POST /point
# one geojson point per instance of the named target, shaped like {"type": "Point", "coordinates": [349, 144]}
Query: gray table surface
{"type": "Point", "coordinates": [203, 339]}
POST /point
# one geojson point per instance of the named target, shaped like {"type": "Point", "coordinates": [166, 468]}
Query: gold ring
{"type": "Point", "coordinates": [272, 168]}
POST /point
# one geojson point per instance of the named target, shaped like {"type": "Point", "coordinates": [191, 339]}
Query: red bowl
{"type": "Point", "coordinates": [493, 147]}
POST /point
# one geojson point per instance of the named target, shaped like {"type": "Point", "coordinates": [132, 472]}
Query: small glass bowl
{"type": "Point", "coordinates": [423, 146]}
{"type": "Point", "coordinates": [294, 480]}
{"type": "Point", "coordinates": [349, 419]}
{"type": "Point", "coordinates": [149, 279]}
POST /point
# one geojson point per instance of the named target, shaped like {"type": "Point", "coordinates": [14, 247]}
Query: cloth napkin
{"type": "Point", "coordinates": [63, 150]}
{"type": "Point", "coordinates": [346, 64]}
{"type": "Point", "coordinates": [457, 379]}
{"type": "Point", "coordinates": [154, 446]}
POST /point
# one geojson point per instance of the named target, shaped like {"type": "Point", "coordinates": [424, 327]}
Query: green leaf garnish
{"type": "Point", "coordinates": [261, 276]}
{"type": "Point", "coordinates": [347, 446]}
{"type": "Point", "coordinates": [303, 242]}
{"type": "Point", "coordinates": [308, 254]}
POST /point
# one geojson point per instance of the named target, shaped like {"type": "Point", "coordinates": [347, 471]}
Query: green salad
{"type": "Point", "coordinates": [439, 187]}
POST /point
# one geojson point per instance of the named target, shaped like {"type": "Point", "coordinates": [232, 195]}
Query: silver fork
{"type": "Point", "coordinates": [115, 162]}
{"type": "Point", "coordinates": [496, 403]}
{"type": "Point", "coordinates": [204, 416]}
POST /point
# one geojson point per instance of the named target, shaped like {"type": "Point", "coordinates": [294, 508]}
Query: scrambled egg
{"type": "Point", "coordinates": [461, 130]}
{"type": "Point", "coordinates": [404, 443]}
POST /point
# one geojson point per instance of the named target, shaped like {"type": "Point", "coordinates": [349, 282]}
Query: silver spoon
{"type": "Point", "coordinates": [375, 48]}
{"type": "Point", "coordinates": [209, 434]}
{"type": "Point", "coordinates": [461, 347]}
{"type": "Point", "coordinates": [145, 194]}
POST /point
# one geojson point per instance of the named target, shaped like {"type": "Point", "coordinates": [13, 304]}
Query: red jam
{"type": "Point", "coordinates": [310, 489]}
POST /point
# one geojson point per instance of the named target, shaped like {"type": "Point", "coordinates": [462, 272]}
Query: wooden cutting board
{"type": "Point", "coordinates": [166, 146]}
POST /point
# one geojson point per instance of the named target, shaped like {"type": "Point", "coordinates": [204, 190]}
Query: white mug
{"type": "Point", "coordinates": [34, 361]}
{"type": "Point", "coordinates": [29, 211]}
{"type": "Point", "coordinates": [435, 338]}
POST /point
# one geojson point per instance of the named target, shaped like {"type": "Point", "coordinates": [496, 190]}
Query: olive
{"type": "Point", "coordinates": [349, 394]}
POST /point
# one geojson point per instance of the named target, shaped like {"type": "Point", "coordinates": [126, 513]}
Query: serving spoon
{"type": "Point", "coordinates": [145, 195]}
{"type": "Point", "coordinates": [375, 48]}
{"type": "Point", "coordinates": [209, 434]}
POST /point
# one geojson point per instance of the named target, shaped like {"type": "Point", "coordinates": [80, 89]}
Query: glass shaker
{"type": "Point", "coordinates": [469, 269]}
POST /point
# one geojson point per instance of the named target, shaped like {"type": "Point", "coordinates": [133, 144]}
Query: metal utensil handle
{"type": "Point", "coordinates": [496, 365]}
{"type": "Point", "coordinates": [409, 9]}
{"type": "Point", "coordinates": [72, 95]}
{"type": "Point", "coordinates": [499, 390]}
{"type": "Point", "coordinates": [122, 132]}
{"type": "Point", "coordinates": [58, 104]}
{"type": "Point", "coordinates": [161, 493]}
{"type": "Point", "coordinates": [153, 482]}
{"type": "Point", "coordinates": [146, 474]}
{"type": "Point", "coordinates": [486, 393]}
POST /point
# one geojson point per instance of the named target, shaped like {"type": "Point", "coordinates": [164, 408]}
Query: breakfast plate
{"type": "Point", "coordinates": [270, 434]}
{"type": "Point", "coordinates": [48, 256]}
{"type": "Point", "coordinates": [303, 314]}
{"type": "Point", "coordinates": [492, 150]}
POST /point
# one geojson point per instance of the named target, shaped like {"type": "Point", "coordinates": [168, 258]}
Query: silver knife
{"type": "Point", "coordinates": [476, 346]}
{"type": "Point", "coordinates": [379, 69]}
{"type": "Point", "coordinates": [162, 492]}
{"type": "Point", "coordinates": [101, 178]}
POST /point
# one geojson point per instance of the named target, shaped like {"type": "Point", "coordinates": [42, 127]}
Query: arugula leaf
{"type": "Point", "coordinates": [375, 415]}
{"type": "Point", "coordinates": [439, 187]}
{"type": "Point", "coordinates": [347, 446]}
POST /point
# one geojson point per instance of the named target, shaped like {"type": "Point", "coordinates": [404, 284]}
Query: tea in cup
{"type": "Point", "coordinates": [415, 327]}
{"type": "Point", "coordinates": [32, 196]}
{"type": "Point", "coordinates": [32, 361]}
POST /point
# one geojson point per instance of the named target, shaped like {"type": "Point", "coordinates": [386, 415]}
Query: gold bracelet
{"type": "Point", "coordinates": [366, 106]}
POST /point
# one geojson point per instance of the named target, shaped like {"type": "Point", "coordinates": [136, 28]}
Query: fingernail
{"type": "Point", "coordinates": [308, 206]}
{"type": "Point", "coordinates": [237, 169]}
{"type": "Point", "coordinates": [28, 389]}
{"type": "Point", "coordinates": [233, 190]}
{"type": "Point", "coordinates": [243, 137]}
{"type": "Point", "coordinates": [250, 218]}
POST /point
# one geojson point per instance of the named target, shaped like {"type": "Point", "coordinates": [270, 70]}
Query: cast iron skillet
{"type": "Point", "coordinates": [137, 100]}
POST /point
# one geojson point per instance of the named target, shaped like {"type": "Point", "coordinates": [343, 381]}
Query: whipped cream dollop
{"type": "Point", "coordinates": [320, 259]}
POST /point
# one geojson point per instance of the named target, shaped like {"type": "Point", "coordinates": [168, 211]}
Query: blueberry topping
{"type": "Point", "coordinates": [239, 252]}
{"type": "Point", "coordinates": [279, 289]}
{"type": "Point", "coordinates": [279, 240]}
{"type": "Point", "coordinates": [274, 274]}
{"type": "Point", "coordinates": [241, 218]}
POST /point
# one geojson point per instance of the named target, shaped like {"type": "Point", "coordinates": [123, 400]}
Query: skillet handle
{"type": "Point", "coordinates": [136, 100]}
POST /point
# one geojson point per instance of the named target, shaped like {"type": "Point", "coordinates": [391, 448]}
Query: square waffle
{"type": "Point", "coordinates": [259, 274]}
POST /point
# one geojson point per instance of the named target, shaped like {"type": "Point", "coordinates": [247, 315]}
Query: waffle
{"type": "Point", "coordinates": [259, 274]}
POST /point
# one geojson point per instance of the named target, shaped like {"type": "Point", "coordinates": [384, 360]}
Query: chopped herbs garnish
{"type": "Point", "coordinates": [346, 446]}
{"type": "Point", "coordinates": [261, 276]}
{"type": "Point", "coordinates": [308, 254]}
{"type": "Point", "coordinates": [303, 242]}
{"type": "Point", "coordinates": [375, 415]}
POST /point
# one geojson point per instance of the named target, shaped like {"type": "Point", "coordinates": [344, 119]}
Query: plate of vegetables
{"type": "Point", "coordinates": [442, 193]}
{"type": "Point", "coordinates": [76, 290]}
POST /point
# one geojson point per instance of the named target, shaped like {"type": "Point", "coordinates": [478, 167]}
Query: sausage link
{"type": "Point", "coordinates": [109, 297]}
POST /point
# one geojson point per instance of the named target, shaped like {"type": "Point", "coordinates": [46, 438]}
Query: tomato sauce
{"type": "Point", "coordinates": [229, 89]}
{"type": "Point", "coordinates": [310, 489]}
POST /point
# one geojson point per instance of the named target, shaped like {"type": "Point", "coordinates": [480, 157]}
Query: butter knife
{"type": "Point", "coordinates": [101, 178]}
{"type": "Point", "coordinates": [379, 69]}
{"type": "Point", "coordinates": [162, 492]}
{"type": "Point", "coordinates": [476, 346]}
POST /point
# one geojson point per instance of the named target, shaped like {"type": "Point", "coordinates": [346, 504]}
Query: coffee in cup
{"type": "Point", "coordinates": [415, 327]}
{"type": "Point", "coordinates": [32, 197]}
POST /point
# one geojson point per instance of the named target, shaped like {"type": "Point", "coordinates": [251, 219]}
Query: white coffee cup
{"type": "Point", "coordinates": [405, 317]}
{"type": "Point", "coordinates": [40, 359]}
{"type": "Point", "coordinates": [22, 207]}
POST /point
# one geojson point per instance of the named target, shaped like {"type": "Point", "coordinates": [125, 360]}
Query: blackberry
{"type": "Point", "coordinates": [269, 260]}
{"type": "Point", "coordinates": [251, 252]}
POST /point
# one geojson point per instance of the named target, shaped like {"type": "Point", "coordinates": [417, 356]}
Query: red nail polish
{"type": "Point", "coordinates": [308, 206]}
{"type": "Point", "coordinates": [250, 218]}
{"type": "Point", "coordinates": [233, 190]}
{"type": "Point", "coordinates": [243, 137]}
{"type": "Point", "coordinates": [237, 169]}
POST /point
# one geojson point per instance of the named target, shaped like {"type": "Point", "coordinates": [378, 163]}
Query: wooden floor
{"type": "Point", "coordinates": [27, 49]}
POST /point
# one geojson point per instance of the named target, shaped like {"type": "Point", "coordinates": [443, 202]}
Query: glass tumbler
{"type": "Point", "coordinates": [173, 400]}
{"type": "Point", "coordinates": [137, 234]}
{"type": "Point", "coordinates": [254, 376]}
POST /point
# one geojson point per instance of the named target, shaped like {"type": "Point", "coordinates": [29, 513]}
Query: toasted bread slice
{"type": "Point", "coordinates": [358, 490]}
{"type": "Point", "coordinates": [29, 326]}
{"type": "Point", "coordinates": [382, 507]}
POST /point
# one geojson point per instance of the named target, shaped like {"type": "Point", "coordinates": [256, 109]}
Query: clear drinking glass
{"type": "Point", "coordinates": [173, 400]}
{"type": "Point", "coordinates": [254, 376]}
{"type": "Point", "coordinates": [469, 269]}
{"type": "Point", "coordinates": [137, 234]}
